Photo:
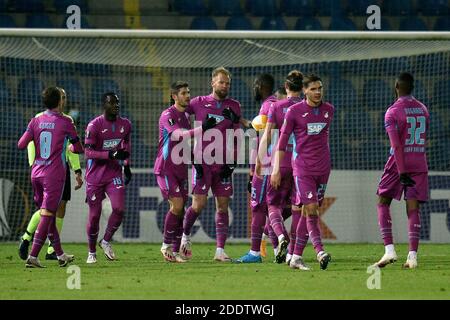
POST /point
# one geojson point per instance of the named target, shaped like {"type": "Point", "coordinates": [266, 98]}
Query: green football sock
{"type": "Point", "coordinates": [59, 225]}
{"type": "Point", "coordinates": [32, 225]}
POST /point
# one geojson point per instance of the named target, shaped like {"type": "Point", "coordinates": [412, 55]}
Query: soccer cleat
{"type": "Point", "coordinates": [65, 259]}
{"type": "Point", "coordinates": [323, 258]}
{"type": "Point", "coordinates": [179, 258]}
{"type": "Point", "coordinates": [222, 257]}
{"type": "Point", "coordinates": [92, 258]}
{"type": "Point", "coordinates": [263, 248]}
{"type": "Point", "coordinates": [299, 264]}
{"type": "Point", "coordinates": [386, 259]}
{"type": "Point", "coordinates": [51, 256]}
{"type": "Point", "coordinates": [33, 263]}
{"type": "Point", "coordinates": [168, 254]}
{"type": "Point", "coordinates": [23, 249]}
{"type": "Point", "coordinates": [248, 258]}
{"type": "Point", "coordinates": [288, 258]}
{"type": "Point", "coordinates": [282, 251]}
{"type": "Point", "coordinates": [411, 261]}
{"type": "Point", "coordinates": [186, 249]}
{"type": "Point", "coordinates": [107, 249]}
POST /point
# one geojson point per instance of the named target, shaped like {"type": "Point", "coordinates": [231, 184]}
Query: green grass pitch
{"type": "Point", "coordinates": [141, 273]}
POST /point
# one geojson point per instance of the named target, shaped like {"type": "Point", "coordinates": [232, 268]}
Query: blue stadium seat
{"type": "Point", "coordinates": [38, 21]}
{"type": "Point", "coordinates": [385, 24]}
{"type": "Point", "coordinates": [12, 125]}
{"type": "Point", "coordinates": [7, 21]}
{"type": "Point", "coordinates": [62, 5]}
{"type": "Point", "coordinates": [342, 94]}
{"type": "Point", "coordinates": [29, 92]}
{"type": "Point", "coordinates": [93, 70]}
{"type": "Point", "coordinates": [442, 24]}
{"type": "Point", "coordinates": [203, 23]}
{"type": "Point", "coordinates": [376, 94]}
{"type": "Point", "coordinates": [299, 8]}
{"type": "Point", "coordinates": [29, 5]}
{"type": "Point", "coordinates": [101, 86]}
{"type": "Point", "coordinates": [308, 23]}
{"type": "Point", "coordinates": [275, 23]}
{"type": "Point", "coordinates": [421, 93]}
{"type": "Point", "coordinates": [441, 94]}
{"type": "Point", "coordinates": [399, 8]}
{"type": "Point", "coordinates": [262, 8]}
{"type": "Point", "coordinates": [238, 23]}
{"type": "Point", "coordinates": [412, 24]}
{"type": "Point", "coordinates": [434, 7]}
{"type": "Point", "coordinates": [328, 7]}
{"type": "Point", "coordinates": [225, 8]}
{"type": "Point", "coordinates": [191, 8]}
{"type": "Point", "coordinates": [342, 24]}
{"type": "Point", "coordinates": [5, 94]}
{"type": "Point", "coordinates": [74, 91]}
{"type": "Point", "coordinates": [359, 7]}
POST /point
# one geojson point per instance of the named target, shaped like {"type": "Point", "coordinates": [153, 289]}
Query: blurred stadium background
{"type": "Point", "coordinates": [358, 80]}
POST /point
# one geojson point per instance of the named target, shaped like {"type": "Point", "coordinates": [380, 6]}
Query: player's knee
{"type": "Point", "coordinates": [385, 201]}
{"type": "Point", "coordinates": [311, 210]}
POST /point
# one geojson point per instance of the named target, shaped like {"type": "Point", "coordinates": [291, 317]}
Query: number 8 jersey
{"type": "Point", "coordinates": [51, 132]}
{"type": "Point", "coordinates": [409, 118]}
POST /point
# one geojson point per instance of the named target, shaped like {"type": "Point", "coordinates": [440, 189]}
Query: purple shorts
{"type": "Point", "coordinates": [282, 196]}
{"type": "Point", "coordinates": [259, 190]}
{"type": "Point", "coordinates": [173, 186]}
{"type": "Point", "coordinates": [390, 186]}
{"type": "Point", "coordinates": [310, 189]}
{"type": "Point", "coordinates": [115, 189]}
{"type": "Point", "coordinates": [211, 179]}
{"type": "Point", "coordinates": [47, 193]}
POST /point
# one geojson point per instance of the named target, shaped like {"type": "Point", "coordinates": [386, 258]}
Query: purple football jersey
{"type": "Point", "coordinates": [51, 132]}
{"type": "Point", "coordinates": [104, 135]}
{"type": "Point", "coordinates": [204, 107]}
{"type": "Point", "coordinates": [310, 126]}
{"type": "Point", "coordinates": [410, 119]}
{"type": "Point", "coordinates": [170, 120]}
{"type": "Point", "coordinates": [277, 112]}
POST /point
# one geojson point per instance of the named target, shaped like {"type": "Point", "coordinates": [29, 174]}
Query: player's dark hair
{"type": "Point", "coordinates": [282, 90]}
{"type": "Point", "coordinates": [309, 79]}
{"type": "Point", "coordinates": [175, 88]}
{"type": "Point", "coordinates": [266, 80]}
{"type": "Point", "coordinates": [405, 82]}
{"type": "Point", "coordinates": [106, 95]}
{"type": "Point", "coordinates": [51, 97]}
{"type": "Point", "coordinates": [294, 80]}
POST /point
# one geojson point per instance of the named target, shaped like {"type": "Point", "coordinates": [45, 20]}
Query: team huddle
{"type": "Point", "coordinates": [289, 170]}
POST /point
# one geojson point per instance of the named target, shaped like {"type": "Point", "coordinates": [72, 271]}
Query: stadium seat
{"type": "Point", "coordinates": [399, 8]}
{"type": "Point", "coordinates": [29, 5]}
{"type": "Point", "coordinates": [93, 70]}
{"type": "Point", "coordinates": [299, 8]}
{"type": "Point", "coordinates": [192, 7]}
{"type": "Point", "coordinates": [376, 94]}
{"type": "Point", "coordinates": [74, 91]}
{"type": "Point", "coordinates": [203, 23]}
{"type": "Point", "coordinates": [101, 86]}
{"type": "Point", "coordinates": [359, 7]}
{"type": "Point", "coordinates": [421, 93]}
{"type": "Point", "coordinates": [62, 5]}
{"type": "Point", "coordinates": [225, 8]}
{"type": "Point", "coordinates": [7, 21]}
{"type": "Point", "coordinates": [238, 23]}
{"type": "Point", "coordinates": [342, 94]}
{"type": "Point", "coordinates": [434, 7]}
{"type": "Point", "coordinates": [412, 24]}
{"type": "Point", "coordinates": [342, 24]}
{"type": "Point", "coordinates": [308, 23]}
{"type": "Point", "coordinates": [38, 21]}
{"type": "Point", "coordinates": [29, 92]}
{"type": "Point", "coordinates": [5, 94]}
{"type": "Point", "coordinates": [441, 94]}
{"type": "Point", "coordinates": [262, 8]}
{"type": "Point", "coordinates": [442, 24]}
{"type": "Point", "coordinates": [275, 23]}
{"type": "Point", "coordinates": [328, 7]}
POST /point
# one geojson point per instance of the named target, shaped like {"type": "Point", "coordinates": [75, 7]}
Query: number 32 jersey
{"type": "Point", "coordinates": [409, 118]}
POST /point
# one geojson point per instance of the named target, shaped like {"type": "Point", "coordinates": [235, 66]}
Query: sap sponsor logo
{"type": "Point", "coordinates": [110, 144]}
{"type": "Point", "coordinates": [315, 128]}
